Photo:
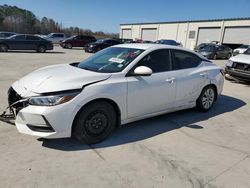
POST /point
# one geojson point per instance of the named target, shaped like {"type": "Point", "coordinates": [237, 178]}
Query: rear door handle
{"type": "Point", "coordinates": [170, 80]}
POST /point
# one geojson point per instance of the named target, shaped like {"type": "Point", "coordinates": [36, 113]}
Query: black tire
{"type": "Point", "coordinates": [94, 122]}
{"type": "Point", "coordinates": [41, 49]}
{"type": "Point", "coordinates": [206, 99]}
{"type": "Point", "coordinates": [69, 45]}
{"type": "Point", "coordinates": [215, 57]}
{"type": "Point", "coordinates": [3, 48]}
{"type": "Point", "coordinates": [228, 56]}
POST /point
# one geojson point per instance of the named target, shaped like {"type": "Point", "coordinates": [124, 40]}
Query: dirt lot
{"type": "Point", "coordinates": [182, 149]}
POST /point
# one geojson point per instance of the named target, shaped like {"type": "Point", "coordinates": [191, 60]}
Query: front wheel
{"type": "Point", "coordinates": [41, 49]}
{"type": "Point", "coordinates": [3, 48]}
{"type": "Point", "coordinates": [94, 122]}
{"type": "Point", "coordinates": [206, 99]}
{"type": "Point", "coordinates": [69, 46]}
{"type": "Point", "coordinates": [215, 57]}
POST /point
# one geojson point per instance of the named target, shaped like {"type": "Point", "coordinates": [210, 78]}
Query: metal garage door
{"type": "Point", "coordinates": [149, 34]}
{"type": "Point", "coordinates": [126, 34]}
{"type": "Point", "coordinates": [206, 35]}
{"type": "Point", "coordinates": [237, 35]}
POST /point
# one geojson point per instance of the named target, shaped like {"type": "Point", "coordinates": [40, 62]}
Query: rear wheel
{"type": "Point", "coordinates": [228, 56]}
{"type": "Point", "coordinates": [3, 48]}
{"type": "Point", "coordinates": [94, 122]}
{"type": "Point", "coordinates": [206, 99]}
{"type": "Point", "coordinates": [41, 49]}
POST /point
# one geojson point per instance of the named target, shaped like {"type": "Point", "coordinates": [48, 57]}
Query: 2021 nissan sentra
{"type": "Point", "coordinates": [117, 85]}
{"type": "Point", "coordinates": [25, 42]}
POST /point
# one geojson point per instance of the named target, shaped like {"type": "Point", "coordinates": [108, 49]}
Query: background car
{"type": "Point", "coordinates": [25, 42]}
{"type": "Point", "coordinates": [6, 34]}
{"type": "Point", "coordinates": [55, 37]}
{"type": "Point", "coordinates": [101, 44]}
{"type": "Point", "coordinates": [168, 42]}
{"type": "Point", "coordinates": [77, 41]}
{"type": "Point", "coordinates": [241, 49]}
{"type": "Point", "coordinates": [213, 51]}
{"type": "Point", "coordinates": [239, 66]}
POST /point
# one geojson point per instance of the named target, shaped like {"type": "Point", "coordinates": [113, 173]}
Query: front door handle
{"type": "Point", "coordinates": [170, 80]}
{"type": "Point", "coordinates": [203, 74]}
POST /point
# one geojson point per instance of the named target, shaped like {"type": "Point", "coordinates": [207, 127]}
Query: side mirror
{"type": "Point", "coordinates": [143, 71]}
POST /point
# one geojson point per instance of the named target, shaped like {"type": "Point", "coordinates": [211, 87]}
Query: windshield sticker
{"type": "Point", "coordinates": [116, 60]}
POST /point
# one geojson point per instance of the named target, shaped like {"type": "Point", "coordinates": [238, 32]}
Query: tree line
{"type": "Point", "coordinates": [15, 19]}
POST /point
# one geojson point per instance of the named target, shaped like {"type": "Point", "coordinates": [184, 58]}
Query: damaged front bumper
{"type": "Point", "coordinates": [41, 121]}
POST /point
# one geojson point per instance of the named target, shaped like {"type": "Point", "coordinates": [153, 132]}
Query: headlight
{"type": "Point", "coordinates": [229, 63]}
{"type": "Point", "coordinates": [52, 100]}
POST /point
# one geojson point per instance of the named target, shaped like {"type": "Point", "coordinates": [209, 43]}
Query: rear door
{"type": "Point", "coordinates": [155, 93]}
{"type": "Point", "coordinates": [32, 42]}
{"type": "Point", "coordinates": [190, 76]}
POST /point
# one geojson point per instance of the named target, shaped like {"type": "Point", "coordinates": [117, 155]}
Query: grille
{"type": "Point", "coordinates": [242, 66]}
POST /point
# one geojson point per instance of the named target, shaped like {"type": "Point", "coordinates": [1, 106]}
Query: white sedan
{"type": "Point", "coordinates": [118, 85]}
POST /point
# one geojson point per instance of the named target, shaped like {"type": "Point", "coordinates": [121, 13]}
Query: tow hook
{"type": "Point", "coordinates": [9, 115]}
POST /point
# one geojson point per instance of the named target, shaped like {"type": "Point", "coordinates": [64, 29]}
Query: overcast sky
{"type": "Point", "coordinates": [106, 15]}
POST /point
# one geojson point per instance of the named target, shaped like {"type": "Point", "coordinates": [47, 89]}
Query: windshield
{"type": "Point", "coordinates": [110, 60]}
{"type": "Point", "coordinates": [247, 51]}
{"type": "Point", "coordinates": [100, 40]}
{"type": "Point", "coordinates": [210, 48]}
{"type": "Point", "coordinates": [244, 46]}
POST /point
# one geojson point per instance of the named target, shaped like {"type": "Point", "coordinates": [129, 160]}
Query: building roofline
{"type": "Point", "coordinates": [188, 21]}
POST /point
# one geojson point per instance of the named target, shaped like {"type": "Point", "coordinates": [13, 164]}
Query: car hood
{"type": "Point", "coordinates": [240, 50]}
{"type": "Point", "coordinates": [56, 78]}
{"type": "Point", "coordinates": [242, 58]}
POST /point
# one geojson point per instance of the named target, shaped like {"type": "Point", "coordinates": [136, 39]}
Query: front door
{"type": "Point", "coordinates": [155, 93]}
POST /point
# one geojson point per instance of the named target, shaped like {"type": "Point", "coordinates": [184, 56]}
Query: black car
{"type": "Point", "coordinates": [25, 42]}
{"type": "Point", "coordinates": [77, 41]}
{"type": "Point", "coordinates": [4, 34]}
{"type": "Point", "coordinates": [213, 51]}
{"type": "Point", "coordinates": [168, 42]}
{"type": "Point", "coordinates": [101, 44]}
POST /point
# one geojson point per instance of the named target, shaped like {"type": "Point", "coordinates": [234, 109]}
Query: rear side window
{"type": "Point", "coordinates": [184, 60]}
{"type": "Point", "coordinates": [158, 61]}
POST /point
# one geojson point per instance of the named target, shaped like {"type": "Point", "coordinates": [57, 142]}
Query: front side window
{"type": "Point", "coordinates": [110, 60]}
{"type": "Point", "coordinates": [20, 37]}
{"type": "Point", "coordinates": [158, 61]}
{"type": "Point", "coordinates": [184, 60]}
{"type": "Point", "coordinates": [32, 38]}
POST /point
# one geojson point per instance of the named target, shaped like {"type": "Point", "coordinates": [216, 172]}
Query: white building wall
{"type": "Point", "coordinates": [180, 31]}
{"type": "Point", "coordinates": [167, 31]}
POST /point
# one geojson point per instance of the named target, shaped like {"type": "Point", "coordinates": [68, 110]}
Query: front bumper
{"type": "Point", "coordinates": [209, 56]}
{"type": "Point", "coordinates": [238, 74]}
{"type": "Point", "coordinates": [44, 121]}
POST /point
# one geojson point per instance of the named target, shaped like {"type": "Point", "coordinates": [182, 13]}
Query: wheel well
{"type": "Point", "coordinates": [115, 106]}
{"type": "Point", "coordinates": [5, 45]}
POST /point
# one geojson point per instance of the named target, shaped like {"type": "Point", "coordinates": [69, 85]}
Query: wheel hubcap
{"type": "Point", "coordinates": [208, 98]}
{"type": "Point", "coordinates": [96, 123]}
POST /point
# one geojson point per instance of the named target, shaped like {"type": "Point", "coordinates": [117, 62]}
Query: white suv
{"type": "Point", "coordinates": [118, 85]}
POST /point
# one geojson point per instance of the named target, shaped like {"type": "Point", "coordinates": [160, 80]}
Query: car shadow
{"type": "Point", "coordinates": [151, 127]}
{"type": "Point", "coordinates": [34, 52]}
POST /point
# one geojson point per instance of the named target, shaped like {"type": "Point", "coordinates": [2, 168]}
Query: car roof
{"type": "Point", "coordinates": [146, 46]}
{"type": "Point", "coordinates": [153, 46]}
